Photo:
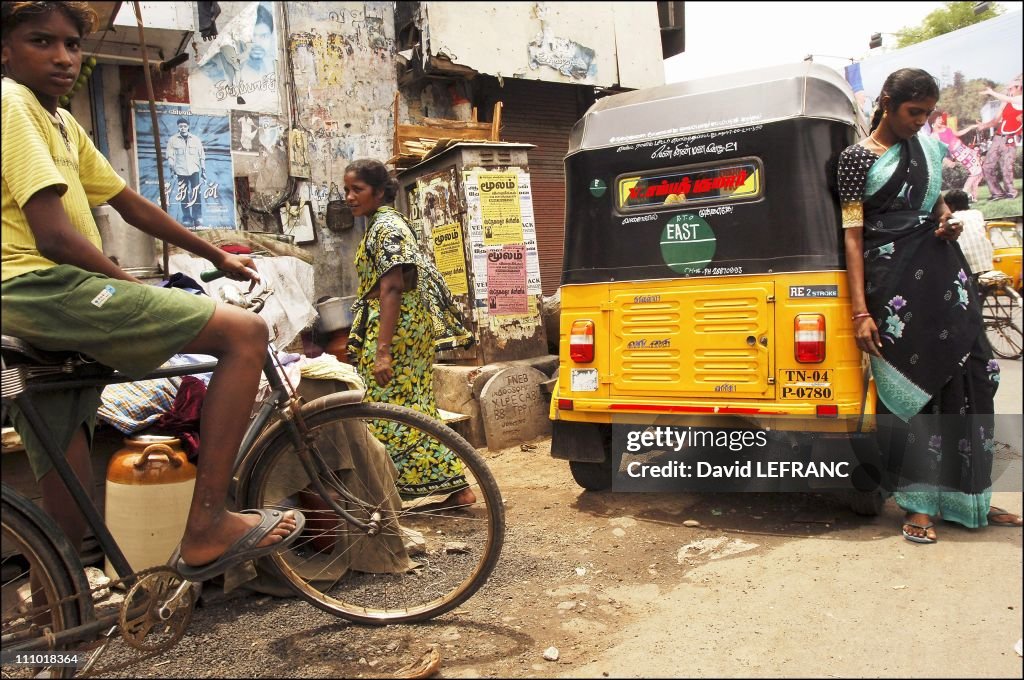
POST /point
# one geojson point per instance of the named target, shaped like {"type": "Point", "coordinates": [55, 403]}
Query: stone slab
{"type": "Point", "coordinates": [514, 407]}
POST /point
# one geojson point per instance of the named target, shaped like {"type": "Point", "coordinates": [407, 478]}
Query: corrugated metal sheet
{"type": "Point", "coordinates": [543, 114]}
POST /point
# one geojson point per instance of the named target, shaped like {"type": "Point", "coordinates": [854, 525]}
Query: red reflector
{"type": "Point", "coordinates": [809, 338]}
{"type": "Point", "coordinates": [565, 404]}
{"type": "Point", "coordinates": [581, 341]}
{"type": "Point", "coordinates": [827, 411]}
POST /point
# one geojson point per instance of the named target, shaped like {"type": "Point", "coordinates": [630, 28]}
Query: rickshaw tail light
{"type": "Point", "coordinates": [827, 411]}
{"type": "Point", "coordinates": [565, 404]}
{"type": "Point", "coordinates": [581, 342]}
{"type": "Point", "coordinates": [809, 338]}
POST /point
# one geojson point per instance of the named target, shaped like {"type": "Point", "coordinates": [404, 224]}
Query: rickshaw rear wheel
{"type": "Point", "coordinates": [866, 503]}
{"type": "Point", "coordinates": [592, 476]}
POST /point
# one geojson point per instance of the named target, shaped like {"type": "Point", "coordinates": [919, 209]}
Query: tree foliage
{"type": "Point", "coordinates": [952, 16]}
{"type": "Point", "coordinates": [964, 100]}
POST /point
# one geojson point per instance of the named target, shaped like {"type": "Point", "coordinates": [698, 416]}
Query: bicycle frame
{"type": "Point", "coordinates": [276, 401]}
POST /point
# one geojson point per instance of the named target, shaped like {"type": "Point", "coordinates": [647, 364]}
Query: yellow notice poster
{"type": "Point", "coordinates": [499, 208]}
{"type": "Point", "coordinates": [450, 257]}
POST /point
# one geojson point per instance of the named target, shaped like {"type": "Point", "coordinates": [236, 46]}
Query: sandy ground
{"type": "Point", "coordinates": [769, 585]}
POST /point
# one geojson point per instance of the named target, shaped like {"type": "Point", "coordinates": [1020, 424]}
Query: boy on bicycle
{"type": "Point", "coordinates": [61, 293]}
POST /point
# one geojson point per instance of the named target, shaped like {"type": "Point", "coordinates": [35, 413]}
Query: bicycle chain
{"type": "Point", "coordinates": [137, 576]}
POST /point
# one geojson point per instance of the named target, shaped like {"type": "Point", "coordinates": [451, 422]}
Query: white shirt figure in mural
{"type": "Point", "coordinates": [247, 132]}
{"type": "Point", "coordinates": [187, 160]}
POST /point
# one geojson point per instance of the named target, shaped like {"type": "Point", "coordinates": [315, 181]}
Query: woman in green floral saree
{"type": "Point", "coordinates": [917, 315]}
{"type": "Point", "coordinates": [402, 316]}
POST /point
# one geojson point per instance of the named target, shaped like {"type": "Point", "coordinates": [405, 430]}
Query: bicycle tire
{"type": "Point", "coordinates": [452, 552]}
{"type": "Point", "coordinates": [1006, 339]}
{"type": "Point", "coordinates": [32, 543]}
{"type": "Point", "coordinates": [1004, 335]}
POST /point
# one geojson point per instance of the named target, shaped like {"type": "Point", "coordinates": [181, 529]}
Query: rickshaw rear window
{"type": "Point", "coordinates": [732, 180]}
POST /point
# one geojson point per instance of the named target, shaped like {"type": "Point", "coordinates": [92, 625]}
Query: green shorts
{"type": "Point", "coordinates": [132, 327]}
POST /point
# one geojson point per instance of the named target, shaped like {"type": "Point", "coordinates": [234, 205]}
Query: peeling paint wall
{"type": "Point", "coordinates": [593, 43]}
{"type": "Point", "coordinates": [343, 56]}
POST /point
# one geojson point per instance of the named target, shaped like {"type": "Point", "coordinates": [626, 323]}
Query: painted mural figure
{"type": "Point", "coordinates": [403, 315]}
{"type": "Point", "coordinates": [998, 165]}
{"type": "Point", "coordinates": [960, 152]}
{"type": "Point", "coordinates": [247, 132]}
{"type": "Point", "coordinates": [187, 161]}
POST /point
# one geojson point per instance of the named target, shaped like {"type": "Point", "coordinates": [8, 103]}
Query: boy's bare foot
{"type": "Point", "coordinates": [200, 547]}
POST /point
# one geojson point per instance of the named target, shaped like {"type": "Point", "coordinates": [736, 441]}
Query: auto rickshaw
{"type": "Point", "coordinates": [703, 273]}
{"type": "Point", "coordinates": [1006, 250]}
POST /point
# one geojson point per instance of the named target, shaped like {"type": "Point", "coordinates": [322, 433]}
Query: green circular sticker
{"type": "Point", "coordinates": [687, 244]}
{"type": "Point", "coordinates": [597, 188]}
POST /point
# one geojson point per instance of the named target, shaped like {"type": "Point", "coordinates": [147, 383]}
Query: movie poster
{"type": "Point", "coordinates": [198, 173]}
{"type": "Point", "coordinates": [240, 68]}
{"type": "Point", "coordinates": [978, 116]}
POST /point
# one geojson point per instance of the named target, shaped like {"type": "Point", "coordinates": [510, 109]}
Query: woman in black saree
{"type": "Point", "coordinates": [917, 316]}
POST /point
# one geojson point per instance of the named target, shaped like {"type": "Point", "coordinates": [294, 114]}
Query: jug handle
{"type": "Point", "coordinates": [158, 450]}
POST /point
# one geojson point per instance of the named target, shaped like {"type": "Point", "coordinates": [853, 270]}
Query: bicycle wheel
{"type": "Point", "coordinates": [1002, 330]}
{"type": "Point", "coordinates": [423, 560]}
{"type": "Point", "coordinates": [41, 576]}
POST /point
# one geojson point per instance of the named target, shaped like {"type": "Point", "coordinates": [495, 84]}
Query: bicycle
{"type": "Point", "coordinates": [1000, 307]}
{"type": "Point", "coordinates": [366, 555]}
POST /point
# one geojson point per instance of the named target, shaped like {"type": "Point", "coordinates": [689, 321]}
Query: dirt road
{"type": "Point", "coordinates": [773, 585]}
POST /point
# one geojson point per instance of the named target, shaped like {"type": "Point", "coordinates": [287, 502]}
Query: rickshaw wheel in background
{"type": "Point", "coordinates": [592, 476]}
{"type": "Point", "coordinates": [866, 503]}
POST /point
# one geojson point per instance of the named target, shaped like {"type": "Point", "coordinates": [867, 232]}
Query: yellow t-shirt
{"type": "Point", "coordinates": [39, 151]}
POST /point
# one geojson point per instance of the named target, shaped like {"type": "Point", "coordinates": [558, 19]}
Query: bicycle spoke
{"type": "Point", "coordinates": [419, 558]}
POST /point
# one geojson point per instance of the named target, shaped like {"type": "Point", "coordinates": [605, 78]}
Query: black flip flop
{"type": "Point", "coordinates": [244, 549]}
{"type": "Point", "coordinates": [993, 510]}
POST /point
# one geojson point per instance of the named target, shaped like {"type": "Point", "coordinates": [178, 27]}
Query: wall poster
{"type": "Point", "coordinates": [450, 256]}
{"type": "Point", "coordinates": [506, 280]}
{"type": "Point", "coordinates": [240, 67]}
{"type": "Point", "coordinates": [499, 208]}
{"type": "Point", "coordinates": [198, 173]}
{"type": "Point", "coordinates": [521, 202]}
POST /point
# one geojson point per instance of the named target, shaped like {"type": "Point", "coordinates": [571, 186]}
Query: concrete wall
{"type": "Point", "coordinates": [593, 43]}
{"type": "Point", "coordinates": [344, 88]}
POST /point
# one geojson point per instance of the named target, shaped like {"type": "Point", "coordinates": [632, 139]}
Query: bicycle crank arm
{"type": "Point", "coordinates": [167, 609]}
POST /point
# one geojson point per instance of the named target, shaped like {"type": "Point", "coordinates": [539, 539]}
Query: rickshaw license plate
{"type": "Point", "coordinates": [803, 383]}
{"type": "Point", "coordinates": [583, 379]}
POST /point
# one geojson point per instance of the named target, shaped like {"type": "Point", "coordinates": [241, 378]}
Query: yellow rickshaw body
{"type": "Point", "coordinates": [1006, 250]}
{"type": "Point", "coordinates": [702, 234]}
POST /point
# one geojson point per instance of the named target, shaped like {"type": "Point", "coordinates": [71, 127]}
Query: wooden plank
{"type": "Point", "coordinates": [413, 131]}
{"type": "Point", "coordinates": [496, 122]}
{"type": "Point", "coordinates": [447, 124]}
